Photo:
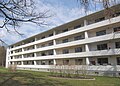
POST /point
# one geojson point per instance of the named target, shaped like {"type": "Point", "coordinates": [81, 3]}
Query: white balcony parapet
{"type": "Point", "coordinates": [74, 55]}
{"type": "Point", "coordinates": [74, 43]}
{"type": "Point", "coordinates": [71, 32]}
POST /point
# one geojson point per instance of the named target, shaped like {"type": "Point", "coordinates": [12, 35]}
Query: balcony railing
{"type": "Point", "coordinates": [75, 55]}
{"type": "Point", "coordinates": [74, 31]}
{"type": "Point", "coordinates": [106, 37]}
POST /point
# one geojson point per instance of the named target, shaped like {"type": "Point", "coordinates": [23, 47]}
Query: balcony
{"type": "Point", "coordinates": [74, 43]}
{"type": "Point", "coordinates": [75, 55]}
{"type": "Point", "coordinates": [90, 40]}
{"type": "Point", "coordinates": [74, 31]}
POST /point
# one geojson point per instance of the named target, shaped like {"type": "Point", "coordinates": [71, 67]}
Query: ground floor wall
{"type": "Point", "coordinates": [102, 65]}
{"type": "Point", "coordinates": [89, 70]}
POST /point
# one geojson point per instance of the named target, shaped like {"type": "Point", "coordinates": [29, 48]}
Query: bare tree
{"type": "Point", "coordinates": [106, 4]}
{"type": "Point", "coordinates": [14, 12]}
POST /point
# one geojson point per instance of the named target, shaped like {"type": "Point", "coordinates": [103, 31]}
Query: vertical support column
{"type": "Point", "coordinates": [22, 50]}
{"type": "Point", "coordinates": [35, 55]}
{"type": "Point", "coordinates": [35, 46]}
{"type": "Point", "coordinates": [22, 56]}
{"type": "Point", "coordinates": [54, 61]}
{"type": "Point", "coordinates": [87, 48]}
{"type": "Point", "coordinates": [86, 45]}
{"type": "Point", "coordinates": [22, 63]}
{"type": "Point", "coordinates": [54, 50]}
{"type": "Point", "coordinates": [35, 63]}
{"type": "Point", "coordinates": [13, 63]}
{"type": "Point", "coordinates": [7, 58]}
{"type": "Point", "coordinates": [86, 34]}
{"type": "Point", "coordinates": [87, 61]}
{"type": "Point", "coordinates": [54, 42]}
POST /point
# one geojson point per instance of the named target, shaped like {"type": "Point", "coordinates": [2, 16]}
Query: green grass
{"type": "Point", "coordinates": [32, 78]}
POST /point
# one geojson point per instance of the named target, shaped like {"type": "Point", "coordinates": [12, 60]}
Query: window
{"type": "Point", "coordinates": [64, 40]}
{"type": "Point", "coordinates": [102, 47]}
{"type": "Point", "coordinates": [116, 29]}
{"type": "Point", "coordinates": [32, 63]}
{"type": "Point", "coordinates": [51, 62]}
{"type": "Point", "coordinates": [12, 47]}
{"type": "Point", "coordinates": [103, 32]}
{"type": "Point", "coordinates": [65, 51]}
{"type": "Point", "coordinates": [17, 57]}
{"type": "Point", "coordinates": [32, 40]}
{"type": "Point", "coordinates": [28, 62]}
{"type": "Point", "coordinates": [78, 61]}
{"type": "Point", "coordinates": [117, 14]}
{"type": "Point", "coordinates": [11, 63]}
{"type": "Point", "coordinates": [102, 61]}
{"type": "Point", "coordinates": [32, 54]}
{"type": "Point", "coordinates": [92, 63]}
{"type": "Point", "coordinates": [38, 62]}
{"type": "Point", "coordinates": [43, 45]}
{"type": "Point", "coordinates": [11, 52]}
{"type": "Point", "coordinates": [65, 62]}
{"type": "Point", "coordinates": [78, 49]}
{"type": "Point", "coordinates": [65, 30]}
{"type": "Point", "coordinates": [78, 26]}
{"type": "Point", "coordinates": [117, 44]}
{"type": "Point", "coordinates": [11, 57]}
{"type": "Point", "coordinates": [51, 34]}
{"type": "Point", "coordinates": [42, 62]}
{"type": "Point", "coordinates": [100, 19]}
{"type": "Point", "coordinates": [20, 50]}
{"type": "Point", "coordinates": [50, 52]}
{"type": "Point", "coordinates": [50, 44]}
{"type": "Point", "coordinates": [78, 37]}
{"type": "Point", "coordinates": [18, 63]}
{"type": "Point", "coordinates": [43, 37]}
{"type": "Point", "coordinates": [118, 60]}
{"type": "Point", "coordinates": [43, 54]}
{"type": "Point", "coordinates": [33, 47]}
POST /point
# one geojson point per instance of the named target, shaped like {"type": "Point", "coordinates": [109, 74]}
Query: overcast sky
{"type": "Point", "coordinates": [63, 11]}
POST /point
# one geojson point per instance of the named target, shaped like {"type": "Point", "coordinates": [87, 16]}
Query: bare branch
{"type": "Point", "coordinates": [15, 12]}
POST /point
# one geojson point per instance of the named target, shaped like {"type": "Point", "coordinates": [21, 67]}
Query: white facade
{"type": "Point", "coordinates": [93, 40]}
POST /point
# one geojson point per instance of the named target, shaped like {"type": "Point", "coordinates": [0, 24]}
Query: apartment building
{"type": "Point", "coordinates": [92, 40]}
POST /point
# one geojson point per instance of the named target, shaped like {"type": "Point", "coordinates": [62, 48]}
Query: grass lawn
{"type": "Point", "coordinates": [32, 78]}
